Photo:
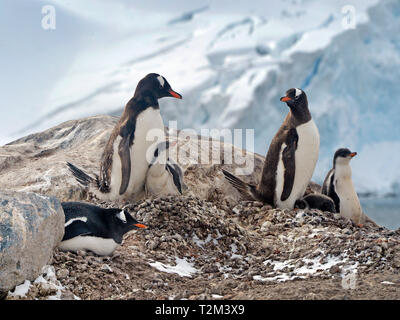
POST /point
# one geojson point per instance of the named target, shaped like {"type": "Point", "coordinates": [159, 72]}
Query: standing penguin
{"type": "Point", "coordinates": [165, 176]}
{"type": "Point", "coordinates": [125, 160]}
{"type": "Point", "coordinates": [88, 227]}
{"type": "Point", "coordinates": [291, 157]}
{"type": "Point", "coordinates": [339, 186]}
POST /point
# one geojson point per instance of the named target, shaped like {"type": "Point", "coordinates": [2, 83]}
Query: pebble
{"type": "Point", "coordinates": [106, 268]}
{"type": "Point", "coordinates": [335, 269]}
{"type": "Point", "coordinates": [62, 274]}
{"type": "Point", "coordinates": [266, 226]}
{"type": "Point", "coordinates": [346, 231]}
{"type": "Point", "coordinates": [257, 232]}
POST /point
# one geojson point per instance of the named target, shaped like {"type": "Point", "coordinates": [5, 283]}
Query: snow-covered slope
{"type": "Point", "coordinates": [231, 69]}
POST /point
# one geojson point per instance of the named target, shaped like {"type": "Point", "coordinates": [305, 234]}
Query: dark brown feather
{"type": "Point", "coordinates": [126, 167]}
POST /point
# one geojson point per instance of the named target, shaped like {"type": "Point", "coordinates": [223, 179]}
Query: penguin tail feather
{"type": "Point", "coordinates": [82, 177]}
{"type": "Point", "coordinates": [248, 191]}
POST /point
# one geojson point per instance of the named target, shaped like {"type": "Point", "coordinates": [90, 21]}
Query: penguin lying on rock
{"type": "Point", "coordinates": [88, 227]}
{"type": "Point", "coordinates": [316, 201]}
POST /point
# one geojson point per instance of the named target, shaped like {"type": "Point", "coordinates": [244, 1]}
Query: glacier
{"type": "Point", "coordinates": [232, 66]}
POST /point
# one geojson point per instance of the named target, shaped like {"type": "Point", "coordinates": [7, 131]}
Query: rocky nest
{"type": "Point", "coordinates": [206, 244]}
{"type": "Point", "coordinates": [198, 249]}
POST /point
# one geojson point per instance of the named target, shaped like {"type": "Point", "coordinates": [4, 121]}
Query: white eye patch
{"type": "Point", "coordinates": [161, 80]}
{"type": "Point", "coordinates": [298, 92]}
{"type": "Point", "coordinates": [121, 216]}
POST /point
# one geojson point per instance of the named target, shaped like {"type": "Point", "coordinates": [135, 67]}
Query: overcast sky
{"type": "Point", "coordinates": [34, 59]}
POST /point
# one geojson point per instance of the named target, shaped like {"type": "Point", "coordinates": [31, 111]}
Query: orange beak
{"type": "Point", "coordinates": [174, 94]}
{"type": "Point", "coordinates": [284, 99]}
{"type": "Point", "coordinates": [141, 226]}
{"type": "Point", "coordinates": [353, 154]}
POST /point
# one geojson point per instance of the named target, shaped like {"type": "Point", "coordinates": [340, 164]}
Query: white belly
{"type": "Point", "coordinates": [306, 157]}
{"type": "Point", "coordinates": [149, 124]}
{"type": "Point", "coordinates": [100, 246]}
{"type": "Point", "coordinates": [159, 182]}
{"type": "Point", "coordinates": [350, 206]}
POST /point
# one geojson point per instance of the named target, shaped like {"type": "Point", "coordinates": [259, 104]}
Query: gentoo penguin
{"type": "Point", "coordinates": [339, 186]}
{"type": "Point", "coordinates": [88, 227]}
{"type": "Point", "coordinates": [127, 154]}
{"type": "Point", "coordinates": [164, 176]}
{"type": "Point", "coordinates": [291, 157]}
{"type": "Point", "coordinates": [316, 201]}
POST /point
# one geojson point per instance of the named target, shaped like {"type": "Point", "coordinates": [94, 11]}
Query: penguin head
{"type": "Point", "coordinates": [161, 153]}
{"type": "Point", "coordinates": [301, 204]}
{"type": "Point", "coordinates": [295, 98]}
{"type": "Point", "coordinates": [124, 222]}
{"type": "Point", "coordinates": [156, 86]}
{"type": "Point", "coordinates": [343, 156]}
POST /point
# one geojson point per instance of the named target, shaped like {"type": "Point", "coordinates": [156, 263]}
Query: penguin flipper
{"type": "Point", "coordinates": [333, 195]}
{"type": "Point", "coordinates": [328, 189]}
{"type": "Point", "coordinates": [76, 228]}
{"type": "Point", "coordinates": [125, 156]}
{"type": "Point", "coordinates": [289, 163]}
{"type": "Point", "coordinates": [176, 172]}
{"type": "Point", "coordinates": [327, 181]}
{"type": "Point", "coordinates": [247, 190]}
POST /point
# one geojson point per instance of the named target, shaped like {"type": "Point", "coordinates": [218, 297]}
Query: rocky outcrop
{"type": "Point", "coordinates": [31, 226]}
{"type": "Point", "coordinates": [36, 163]}
{"type": "Point", "coordinates": [206, 244]}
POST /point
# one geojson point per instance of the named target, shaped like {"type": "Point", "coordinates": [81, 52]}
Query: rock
{"type": "Point", "coordinates": [36, 162]}
{"type": "Point", "coordinates": [266, 226]}
{"type": "Point", "coordinates": [396, 260]}
{"type": "Point", "coordinates": [46, 289]}
{"type": "Point", "coordinates": [81, 253]}
{"type": "Point", "coordinates": [31, 226]}
{"type": "Point", "coordinates": [106, 268]}
{"type": "Point", "coordinates": [228, 247]}
{"type": "Point", "coordinates": [62, 274]}
{"type": "Point", "coordinates": [346, 231]}
{"type": "Point", "coordinates": [335, 269]}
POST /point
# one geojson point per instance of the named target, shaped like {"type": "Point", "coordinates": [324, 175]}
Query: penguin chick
{"type": "Point", "coordinates": [164, 176]}
{"type": "Point", "coordinates": [339, 186]}
{"type": "Point", "coordinates": [88, 227]}
{"type": "Point", "coordinates": [316, 201]}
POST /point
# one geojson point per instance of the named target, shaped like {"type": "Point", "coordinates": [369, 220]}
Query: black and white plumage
{"type": "Point", "coordinates": [338, 185]}
{"type": "Point", "coordinates": [125, 159]}
{"type": "Point", "coordinates": [291, 157]}
{"type": "Point", "coordinates": [165, 176]}
{"type": "Point", "coordinates": [316, 201]}
{"type": "Point", "coordinates": [89, 227]}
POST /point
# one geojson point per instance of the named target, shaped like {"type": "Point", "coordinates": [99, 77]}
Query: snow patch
{"type": "Point", "coordinates": [387, 282]}
{"type": "Point", "coordinates": [47, 280]}
{"type": "Point", "coordinates": [309, 267]}
{"type": "Point", "coordinates": [21, 290]}
{"type": "Point", "coordinates": [182, 267]}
